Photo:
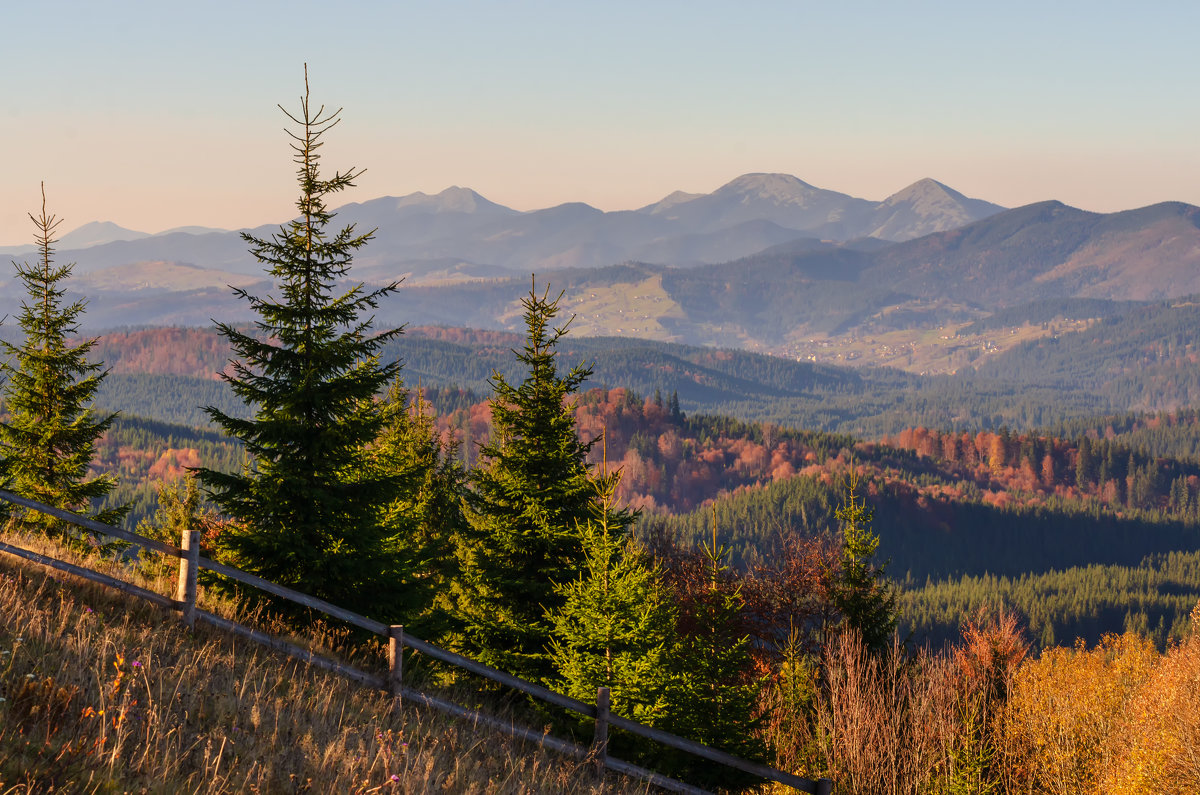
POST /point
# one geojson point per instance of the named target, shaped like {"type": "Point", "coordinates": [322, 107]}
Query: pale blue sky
{"type": "Point", "coordinates": [158, 114]}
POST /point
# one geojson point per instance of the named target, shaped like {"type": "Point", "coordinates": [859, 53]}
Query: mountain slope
{"type": "Point", "coordinates": [97, 232]}
{"type": "Point", "coordinates": [1051, 250]}
{"type": "Point", "coordinates": [93, 233]}
{"type": "Point", "coordinates": [106, 693]}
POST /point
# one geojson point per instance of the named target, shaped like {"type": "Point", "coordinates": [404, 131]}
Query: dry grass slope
{"type": "Point", "coordinates": [101, 694]}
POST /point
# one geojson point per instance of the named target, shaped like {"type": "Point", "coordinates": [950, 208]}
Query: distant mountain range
{"type": "Point", "coordinates": [420, 233]}
{"type": "Point", "coordinates": [809, 287]}
{"type": "Point", "coordinates": [761, 263]}
{"type": "Point", "coordinates": [97, 233]}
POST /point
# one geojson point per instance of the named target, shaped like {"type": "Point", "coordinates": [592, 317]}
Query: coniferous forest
{"type": "Point", "coordinates": [904, 584]}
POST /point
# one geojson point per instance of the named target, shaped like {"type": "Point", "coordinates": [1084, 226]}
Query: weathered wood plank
{"type": "Point", "coordinates": [299, 598]}
{"type": "Point", "coordinates": [94, 576]}
{"type": "Point", "coordinates": [482, 719]}
{"type": "Point", "coordinates": [396, 658]}
{"type": "Point", "coordinates": [558, 699]}
{"type": "Point", "coordinates": [600, 737]}
{"type": "Point", "coordinates": [186, 591]}
{"type": "Point", "coordinates": [97, 527]}
{"type": "Point", "coordinates": [546, 741]}
{"type": "Point", "coordinates": [650, 777]}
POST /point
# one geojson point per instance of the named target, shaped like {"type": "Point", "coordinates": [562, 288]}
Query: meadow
{"type": "Point", "coordinates": [103, 694]}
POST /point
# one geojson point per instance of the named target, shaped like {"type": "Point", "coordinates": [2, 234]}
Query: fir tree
{"type": "Point", "coordinates": [714, 694]}
{"type": "Point", "coordinates": [862, 593]}
{"type": "Point", "coordinates": [50, 438]}
{"type": "Point", "coordinates": [530, 501]}
{"type": "Point", "coordinates": [426, 513]}
{"type": "Point", "coordinates": [616, 626]}
{"type": "Point", "coordinates": [1085, 464]}
{"type": "Point", "coordinates": [308, 501]}
{"type": "Point", "coordinates": [673, 407]}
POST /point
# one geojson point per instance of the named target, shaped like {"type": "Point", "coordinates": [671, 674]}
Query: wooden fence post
{"type": "Point", "coordinates": [824, 786]}
{"type": "Point", "coordinates": [396, 661]}
{"type": "Point", "coordinates": [189, 564]}
{"type": "Point", "coordinates": [600, 739]}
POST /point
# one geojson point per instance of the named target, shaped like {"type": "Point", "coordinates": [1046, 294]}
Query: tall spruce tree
{"type": "Point", "coordinates": [50, 438]}
{"type": "Point", "coordinates": [531, 498]}
{"type": "Point", "coordinates": [308, 502]}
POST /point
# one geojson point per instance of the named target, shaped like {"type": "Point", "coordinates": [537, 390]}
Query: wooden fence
{"type": "Point", "coordinates": [184, 602]}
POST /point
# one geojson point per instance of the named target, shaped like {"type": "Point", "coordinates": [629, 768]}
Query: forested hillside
{"type": "Point", "coordinates": [1174, 434]}
{"type": "Point", "coordinates": [1129, 357]}
{"type": "Point", "coordinates": [179, 367]}
{"type": "Point", "coordinates": [143, 454]}
{"type": "Point", "coordinates": [964, 519]}
{"type": "Point", "coordinates": [1144, 359]}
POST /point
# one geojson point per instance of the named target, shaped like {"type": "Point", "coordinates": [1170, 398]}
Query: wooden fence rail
{"type": "Point", "coordinates": [190, 561]}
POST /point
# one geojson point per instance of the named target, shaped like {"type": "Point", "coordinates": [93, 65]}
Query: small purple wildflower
{"type": "Point", "coordinates": [395, 777]}
{"type": "Point", "coordinates": [137, 664]}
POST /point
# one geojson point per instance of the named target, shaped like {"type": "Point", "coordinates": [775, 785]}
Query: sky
{"type": "Point", "coordinates": [155, 115]}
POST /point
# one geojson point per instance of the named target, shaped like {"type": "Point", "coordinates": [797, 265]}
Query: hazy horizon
{"type": "Point", "coordinates": [154, 117]}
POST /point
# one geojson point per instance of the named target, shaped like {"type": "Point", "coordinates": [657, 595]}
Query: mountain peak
{"type": "Point", "coordinates": [457, 199]}
{"type": "Point", "coordinates": [669, 201]}
{"type": "Point", "coordinates": [781, 188]}
{"type": "Point", "coordinates": [781, 199]}
{"type": "Point", "coordinates": [922, 188]}
{"type": "Point", "coordinates": [95, 233]}
{"type": "Point", "coordinates": [924, 207]}
{"type": "Point", "coordinates": [454, 199]}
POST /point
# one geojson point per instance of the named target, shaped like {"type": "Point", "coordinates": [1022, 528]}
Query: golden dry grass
{"type": "Point", "coordinates": [103, 693]}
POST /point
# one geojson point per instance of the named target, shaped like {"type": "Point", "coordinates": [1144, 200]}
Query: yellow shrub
{"type": "Point", "coordinates": [1063, 709]}
{"type": "Point", "coordinates": [1157, 749]}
